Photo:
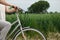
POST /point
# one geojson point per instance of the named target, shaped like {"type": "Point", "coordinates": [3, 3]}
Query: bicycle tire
{"type": "Point", "coordinates": [37, 35]}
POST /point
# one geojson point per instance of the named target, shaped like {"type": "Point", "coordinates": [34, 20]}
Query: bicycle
{"type": "Point", "coordinates": [25, 33]}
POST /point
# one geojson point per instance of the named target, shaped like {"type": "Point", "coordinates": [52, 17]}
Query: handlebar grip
{"type": "Point", "coordinates": [14, 7]}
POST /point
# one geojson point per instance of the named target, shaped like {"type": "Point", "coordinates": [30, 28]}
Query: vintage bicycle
{"type": "Point", "coordinates": [25, 33]}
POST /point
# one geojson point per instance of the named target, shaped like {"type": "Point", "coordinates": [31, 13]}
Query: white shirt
{"type": "Point", "coordinates": [2, 12]}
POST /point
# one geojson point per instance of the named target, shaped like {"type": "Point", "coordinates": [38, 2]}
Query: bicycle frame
{"type": "Point", "coordinates": [19, 25]}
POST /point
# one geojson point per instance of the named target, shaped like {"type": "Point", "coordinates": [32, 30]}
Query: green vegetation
{"type": "Point", "coordinates": [40, 6]}
{"type": "Point", "coordinates": [43, 22]}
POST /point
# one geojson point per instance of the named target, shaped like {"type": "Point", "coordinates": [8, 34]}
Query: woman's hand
{"type": "Point", "coordinates": [15, 7]}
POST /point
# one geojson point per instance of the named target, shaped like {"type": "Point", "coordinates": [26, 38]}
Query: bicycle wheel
{"type": "Point", "coordinates": [30, 34]}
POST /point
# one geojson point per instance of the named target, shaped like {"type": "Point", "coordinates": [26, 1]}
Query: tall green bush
{"type": "Point", "coordinates": [43, 22]}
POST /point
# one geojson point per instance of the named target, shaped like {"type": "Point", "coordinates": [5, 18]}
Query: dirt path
{"type": "Point", "coordinates": [53, 36]}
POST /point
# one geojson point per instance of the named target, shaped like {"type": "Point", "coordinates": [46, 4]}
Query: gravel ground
{"type": "Point", "coordinates": [51, 36]}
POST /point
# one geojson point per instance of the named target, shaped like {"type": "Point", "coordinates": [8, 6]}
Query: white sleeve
{"type": "Point", "coordinates": [2, 12]}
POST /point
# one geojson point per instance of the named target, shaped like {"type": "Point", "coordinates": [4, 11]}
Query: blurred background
{"type": "Point", "coordinates": [43, 15]}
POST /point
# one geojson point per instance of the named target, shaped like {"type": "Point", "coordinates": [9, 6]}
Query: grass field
{"type": "Point", "coordinates": [46, 23]}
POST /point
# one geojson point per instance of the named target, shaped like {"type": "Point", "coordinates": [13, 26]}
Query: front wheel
{"type": "Point", "coordinates": [30, 34]}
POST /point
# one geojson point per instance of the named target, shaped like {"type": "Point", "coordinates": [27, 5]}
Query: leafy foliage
{"type": "Point", "coordinates": [40, 6]}
{"type": "Point", "coordinates": [42, 22]}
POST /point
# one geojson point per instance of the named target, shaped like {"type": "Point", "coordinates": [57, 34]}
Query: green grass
{"type": "Point", "coordinates": [43, 22]}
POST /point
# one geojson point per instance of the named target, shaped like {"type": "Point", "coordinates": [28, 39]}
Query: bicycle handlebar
{"type": "Point", "coordinates": [19, 9]}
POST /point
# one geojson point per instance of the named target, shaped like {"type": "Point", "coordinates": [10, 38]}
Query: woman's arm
{"type": "Point", "coordinates": [4, 3]}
